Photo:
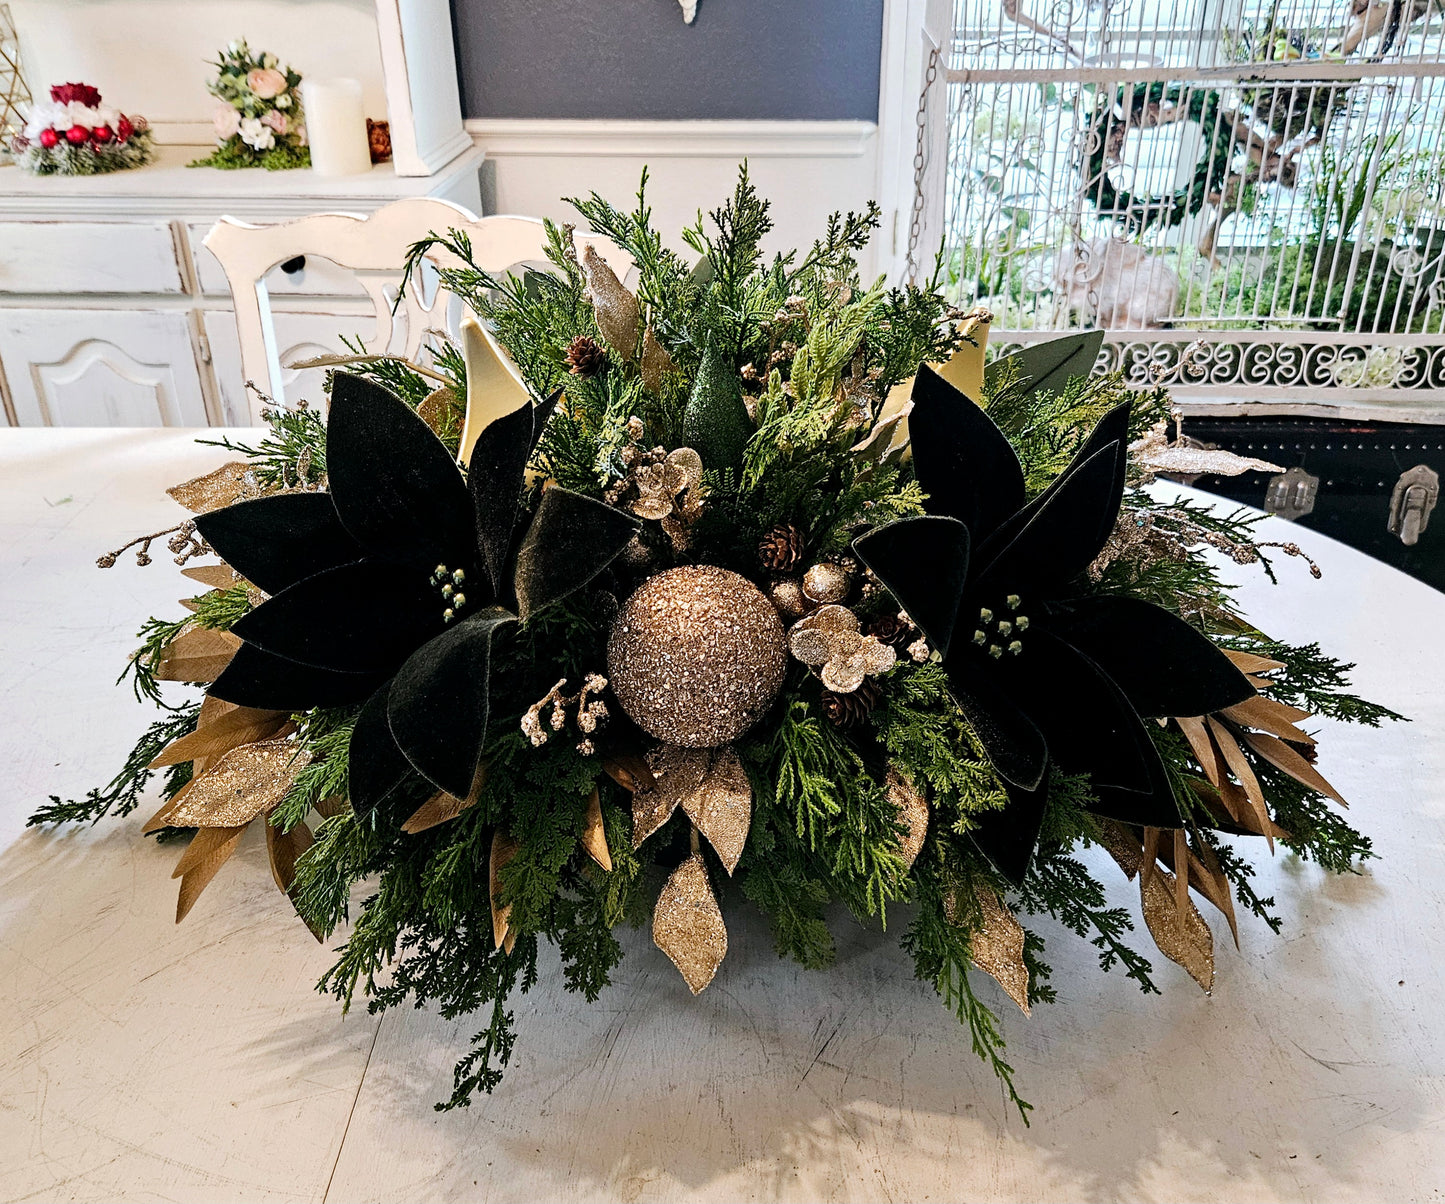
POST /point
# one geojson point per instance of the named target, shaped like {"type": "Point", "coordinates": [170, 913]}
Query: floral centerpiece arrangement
{"type": "Point", "coordinates": [75, 134]}
{"type": "Point", "coordinates": [259, 122]}
{"type": "Point", "coordinates": [746, 586]}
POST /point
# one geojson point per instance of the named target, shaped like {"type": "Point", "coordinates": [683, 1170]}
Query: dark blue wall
{"type": "Point", "coordinates": [779, 59]}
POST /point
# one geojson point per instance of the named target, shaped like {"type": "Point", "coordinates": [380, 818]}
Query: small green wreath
{"type": "Point", "coordinates": [1140, 211]}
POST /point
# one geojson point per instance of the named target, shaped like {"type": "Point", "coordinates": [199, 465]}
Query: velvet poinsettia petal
{"type": "Point", "coordinates": [1008, 837]}
{"type": "Point", "coordinates": [1112, 430]}
{"type": "Point", "coordinates": [571, 539]}
{"type": "Point", "coordinates": [1086, 720]}
{"type": "Point", "coordinates": [396, 488]}
{"type": "Point", "coordinates": [542, 414]}
{"type": "Point", "coordinates": [963, 461]}
{"type": "Point", "coordinates": [924, 563]}
{"type": "Point", "coordinates": [494, 476]}
{"type": "Point", "coordinates": [255, 678]}
{"type": "Point", "coordinates": [1063, 536]}
{"type": "Point", "coordinates": [1013, 742]}
{"type": "Point", "coordinates": [1163, 665]}
{"type": "Point", "coordinates": [359, 618]}
{"type": "Point", "coordinates": [375, 767]}
{"type": "Point", "coordinates": [275, 541]}
{"type": "Point", "coordinates": [438, 702]}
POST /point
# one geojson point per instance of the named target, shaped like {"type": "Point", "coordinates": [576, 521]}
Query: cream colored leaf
{"type": "Point", "coordinates": [594, 833]}
{"type": "Point", "coordinates": [494, 387]}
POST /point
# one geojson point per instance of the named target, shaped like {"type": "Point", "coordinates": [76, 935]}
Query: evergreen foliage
{"type": "Point", "coordinates": [814, 351]}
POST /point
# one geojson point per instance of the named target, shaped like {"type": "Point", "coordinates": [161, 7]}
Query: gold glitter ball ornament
{"type": "Point", "coordinates": [827, 582]}
{"type": "Point", "coordinates": [696, 656]}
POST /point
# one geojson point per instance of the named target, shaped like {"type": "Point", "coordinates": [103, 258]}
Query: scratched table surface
{"type": "Point", "coordinates": [141, 1060]}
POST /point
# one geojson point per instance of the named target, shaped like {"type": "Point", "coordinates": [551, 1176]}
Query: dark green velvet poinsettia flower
{"type": "Point", "coordinates": [1043, 674]}
{"type": "Point", "coordinates": [390, 588]}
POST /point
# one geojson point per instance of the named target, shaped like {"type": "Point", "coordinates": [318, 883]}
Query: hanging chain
{"type": "Point", "coordinates": [920, 161]}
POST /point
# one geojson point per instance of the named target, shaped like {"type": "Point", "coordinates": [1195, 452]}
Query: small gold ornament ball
{"type": "Point", "coordinates": [696, 656]}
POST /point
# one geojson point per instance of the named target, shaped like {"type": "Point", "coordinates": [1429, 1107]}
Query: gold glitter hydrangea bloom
{"type": "Point", "coordinates": [830, 638]}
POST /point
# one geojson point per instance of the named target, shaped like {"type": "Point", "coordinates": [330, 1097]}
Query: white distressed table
{"type": "Point", "coordinates": [144, 1061]}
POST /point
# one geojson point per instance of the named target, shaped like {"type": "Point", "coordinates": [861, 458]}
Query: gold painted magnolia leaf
{"type": "Point", "coordinates": [198, 654]}
{"type": "Point", "coordinates": [594, 833]}
{"type": "Point", "coordinates": [284, 849]}
{"type": "Point", "coordinates": [1182, 935]}
{"type": "Point", "coordinates": [1239, 765]}
{"type": "Point", "coordinates": [1282, 756]}
{"type": "Point", "coordinates": [441, 808]}
{"type": "Point", "coordinates": [504, 848]}
{"type": "Point", "coordinates": [217, 576]}
{"type": "Point", "coordinates": [229, 483]}
{"type": "Point", "coordinates": [1271, 716]}
{"type": "Point", "coordinates": [230, 729]}
{"type": "Point", "coordinates": [244, 783]}
{"type": "Point", "coordinates": [208, 851]}
{"type": "Point", "coordinates": [687, 924]}
{"type": "Point", "coordinates": [677, 772]}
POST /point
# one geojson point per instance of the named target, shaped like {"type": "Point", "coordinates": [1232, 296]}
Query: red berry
{"type": "Point", "coordinates": [77, 134]}
{"type": "Point", "coordinates": [124, 129]}
{"type": "Point", "coordinates": [102, 133]}
{"type": "Point", "coordinates": [48, 138]}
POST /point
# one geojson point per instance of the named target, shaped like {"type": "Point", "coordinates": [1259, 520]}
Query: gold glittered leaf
{"type": "Point", "coordinates": [678, 772]}
{"type": "Point", "coordinates": [230, 483]}
{"type": "Point", "coordinates": [594, 833]}
{"type": "Point", "coordinates": [721, 806]}
{"type": "Point", "coordinates": [1181, 934]}
{"type": "Point", "coordinates": [436, 408]}
{"type": "Point", "coordinates": [656, 363]}
{"type": "Point", "coordinates": [912, 813]}
{"type": "Point", "coordinates": [244, 783]}
{"type": "Point", "coordinates": [614, 308]}
{"type": "Point", "coordinates": [997, 947]}
{"type": "Point", "coordinates": [687, 924]}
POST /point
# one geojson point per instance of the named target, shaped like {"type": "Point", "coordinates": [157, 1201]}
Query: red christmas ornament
{"type": "Point", "coordinates": [124, 129]}
{"type": "Point", "coordinates": [102, 133]}
{"type": "Point", "coordinates": [48, 138]}
{"type": "Point", "coordinates": [77, 135]}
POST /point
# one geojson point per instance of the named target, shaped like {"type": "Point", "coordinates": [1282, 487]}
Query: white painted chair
{"type": "Point", "coordinates": [374, 248]}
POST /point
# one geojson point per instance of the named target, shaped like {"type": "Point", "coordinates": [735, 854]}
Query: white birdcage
{"type": "Point", "coordinates": [1248, 195]}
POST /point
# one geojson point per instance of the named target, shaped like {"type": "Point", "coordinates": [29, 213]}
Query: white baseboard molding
{"type": "Point", "coordinates": [502, 138]}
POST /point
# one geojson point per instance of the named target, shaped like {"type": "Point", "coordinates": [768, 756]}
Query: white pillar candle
{"type": "Point", "coordinates": [336, 127]}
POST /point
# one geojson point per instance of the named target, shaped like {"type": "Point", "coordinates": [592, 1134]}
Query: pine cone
{"type": "Point", "coordinates": [585, 356]}
{"type": "Point", "coordinates": [781, 548]}
{"type": "Point", "coordinates": [849, 710]}
{"type": "Point", "coordinates": [891, 630]}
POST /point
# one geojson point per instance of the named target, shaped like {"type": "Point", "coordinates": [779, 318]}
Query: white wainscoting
{"type": "Point", "coordinates": [807, 169]}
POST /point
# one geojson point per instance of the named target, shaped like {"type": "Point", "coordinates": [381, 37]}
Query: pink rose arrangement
{"type": "Point", "coordinates": [75, 133]}
{"type": "Point", "coordinates": [258, 119]}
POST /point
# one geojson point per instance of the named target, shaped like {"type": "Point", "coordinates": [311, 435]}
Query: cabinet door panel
{"type": "Point", "coordinates": [299, 336]}
{"type": "Point", "coordinates": [88, 257]}
{"type": "Point", "coordinates": [101, 368]}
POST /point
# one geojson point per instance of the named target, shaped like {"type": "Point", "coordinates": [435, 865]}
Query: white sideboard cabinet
{"type": "Point", "coordinates": [113, 313]}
